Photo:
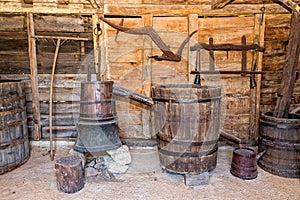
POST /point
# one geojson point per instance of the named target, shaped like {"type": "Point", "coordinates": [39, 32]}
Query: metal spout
{"type": "Point", "coordinates": [252, 81]}
{"type": "Point", "coordinates": [197, 79]}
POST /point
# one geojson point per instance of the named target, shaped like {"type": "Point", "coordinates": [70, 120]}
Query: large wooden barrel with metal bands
{"type": "Point", "coordinates": [280, 139]}
{"type": "Point", "coordinates": [14, 143]}
{"type": "Point", "coordinates": [187, 122]}
{"type": "Point", "coordinates": [96, 101]}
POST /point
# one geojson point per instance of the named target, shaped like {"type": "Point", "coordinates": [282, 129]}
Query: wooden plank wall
{"type": "Point", "coordinates": [126, 62]}
{"type": "Point", "coordinates": [276, 40]}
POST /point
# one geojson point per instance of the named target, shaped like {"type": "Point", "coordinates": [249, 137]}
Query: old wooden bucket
{"type": "Point", "coordinates": [243, 163]}
{"type": "Point", "coordinates": [280, 139]}
{"type": "Point", "coordinates": [14, 143]}
{"type": "Point", "coordinates": [187, 120]}
{"type": "Point", "coordinates": [96, 101]}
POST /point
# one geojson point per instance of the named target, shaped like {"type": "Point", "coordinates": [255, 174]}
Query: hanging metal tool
{"type": "Point", "coordinates": [254, 64]}
{"type": "Point", "coordinates": [197, 68]}
{"type": "Point", "coordinates": [167, 55]}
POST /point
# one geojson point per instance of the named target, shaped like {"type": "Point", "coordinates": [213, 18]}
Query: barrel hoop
{"type": "Point", "coordinates": [269, 167]}
{"type": "Point", "coordinates": [95, 102]}
{"type": "Point", "coordinates": [188, 154]}
{"type": "Point", "coordinates": [18, 110]}
{"type": "Point", "coordinates": [11, 125]}
{"type": "Point", "coordinates": [97, 117]}
{"type": "Point", "coordinates": [13, 99]}
{"type": "Point", "coordinates": [14, 166]}
{"type": "Point", "coordinates": [244, 167]}
{"type": "Point", "coordinates": [187, 100]}
{"type": "Point", "coordinates": [280, 126]}
{"type": "Point", "coordinates": [266, 137]}
{"type": "Point", "coordinates": [280, 144]}
{"type": "Point", "coordinates": [187, 142]}
{"type": "Point", "coordinates": [14, 142]}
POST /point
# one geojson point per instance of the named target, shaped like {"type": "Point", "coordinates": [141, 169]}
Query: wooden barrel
{"type": "Point", "coordinates": [96, 101]}
{"type": "Point", "coordinates": [14, 143]}
{"type": "Point", "coordinates": [280, 139]}
{"type": "Point", "coordinates": [187, 119]}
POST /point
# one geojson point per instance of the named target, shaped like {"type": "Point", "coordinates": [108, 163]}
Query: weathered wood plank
{"type": "Point", "coordinates": [34, 74]}
{"type": "Point", "coordinates": [289, 71]}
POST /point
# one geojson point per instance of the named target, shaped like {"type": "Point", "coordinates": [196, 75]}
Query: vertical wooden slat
{"type": "Point", "coordinates": [146, 76]}
{"type": "Point", "coordinates": [193, 26]}
{"type": "Point", "coordinates": [211, 56]}
{"type": "Point", "coordinates": [259, 31]}
{"type": "Point", "coordinates": [96, 47]}
{"type": "Point", "coordinates": [103, 54]}
{"type": "Point", "coordinates": [244, 55]}
{"type": "Point", "coordinates": [34, 77]}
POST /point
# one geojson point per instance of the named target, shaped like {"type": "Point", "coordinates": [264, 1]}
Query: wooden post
{"type": "Point", "coordinates": [193, 26]}
{"type": "Point", "coordinates": [69, 174]}
{"type": "Point", "coordinates": [34, 78]}
{"type": "Point", "coordinates": [289, 71]}
{"type": "Point", "coordinates": [244, 55]}
{"type": "Point", "coordinates": [211, 55]}
{"type": "Point", "coordinates": [146, 76]}
{"type": "Point", "coordinates": [259, 30]}
{"type": "Point", "coordinates": [95, 21]}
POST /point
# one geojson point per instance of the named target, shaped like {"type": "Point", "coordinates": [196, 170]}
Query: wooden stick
{"type": "Point", "coordinates": [291, 4]}
{"type": "Point", "coordinates": [34, 78]}
{"type": "Point", "coordinates": [226, 72]}
{"type": "Point", "coordinates": [96, 47]}
{"type": "Point", "coordinates": [51, 98]}
{"type": "Point", "coordinates": [290, 68]}
{"type": "Point", "coordinates": [226, 47]}
{"type": "Point", "coordinates": [211, 55]}
{"type": "Point", "coordinates": [60, 37]}
{"type": "Point", "coordinates": [244, 55]}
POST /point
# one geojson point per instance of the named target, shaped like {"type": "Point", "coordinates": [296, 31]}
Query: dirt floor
{"type": "Point", "coordinates": [144, 179]}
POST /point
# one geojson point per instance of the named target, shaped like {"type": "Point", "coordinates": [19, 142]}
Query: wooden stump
{"type": "Point", "coordinates": [69, 174]}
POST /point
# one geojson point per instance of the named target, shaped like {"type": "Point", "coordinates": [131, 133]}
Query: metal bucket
{"type": "Point", "coordinates": [97, 127]}
{"type": "Point", "coordinates": [96, 102]}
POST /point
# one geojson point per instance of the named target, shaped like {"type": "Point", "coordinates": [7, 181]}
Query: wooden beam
{"type": "Point", "coordinates": [259, 31]}
{"type": "Point", "coordinates": [290, 68]}
{"type": "Point", "coordinates": [146, 76]}
{"type": "Point", "coordinates": [59, 37]}
{"type": "Point", "coordinates": [218, 4]}
{"type": "Point", "coordinates": [291, 4]}
{"type": "Point", "coordinates": [96, 34]}
{"type": "Point", "coordinates": [34, 77]}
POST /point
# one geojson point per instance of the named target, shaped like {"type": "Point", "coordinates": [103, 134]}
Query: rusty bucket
{"type": "Point", "coordinates": [243, 163]}
{"type": "Point", "coordinates": [97, 128]}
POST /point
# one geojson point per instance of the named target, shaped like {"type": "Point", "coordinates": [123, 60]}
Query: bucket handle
{"type": "Point", "coordinates": [260, 155]}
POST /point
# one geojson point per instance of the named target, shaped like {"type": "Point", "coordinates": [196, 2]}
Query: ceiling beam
{"type": "Point", "coordinates": [218, 4]}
